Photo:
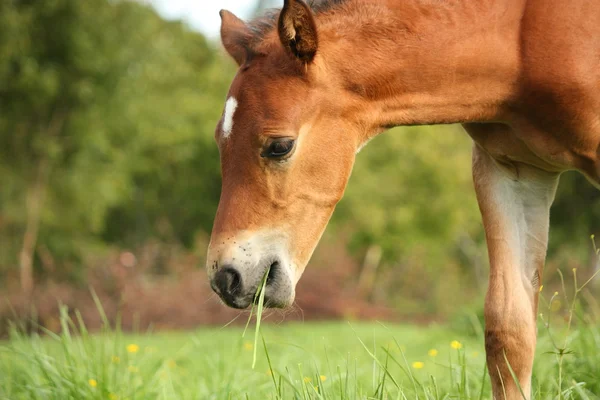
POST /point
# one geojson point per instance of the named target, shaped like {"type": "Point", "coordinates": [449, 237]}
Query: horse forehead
{"type": "Point", "coordinates": [244, 115]}
{"type": "Point", "coordinates": [251, 103]}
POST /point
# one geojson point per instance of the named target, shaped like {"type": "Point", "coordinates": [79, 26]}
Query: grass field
{"type": "Point", "coordinates": [337, 360]}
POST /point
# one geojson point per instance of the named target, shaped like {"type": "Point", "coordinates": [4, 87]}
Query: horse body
{"type": "Point", "coordinates": [314, 86]}
{"type": "Point", "coordinates": [557, 109]}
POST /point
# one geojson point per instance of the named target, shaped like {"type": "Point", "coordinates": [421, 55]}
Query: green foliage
{"type": "Point", "coordinates": [575, 214]}
{"type": "Point", "coordinates": [106, 126]}
{"type": "Point", "coordinates": [411, 189]}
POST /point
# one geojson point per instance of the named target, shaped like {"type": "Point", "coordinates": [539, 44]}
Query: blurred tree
{"type": "Point", "coordinates": [105, 106]}
{"type": "Point", "coordinates": [412, 187]}
{"type": "Point", "coordinates": [575, 216]}
{"type": "Point", "coordinates": [411, 193]}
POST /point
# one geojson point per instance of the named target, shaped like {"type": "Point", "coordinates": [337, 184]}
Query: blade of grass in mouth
{"type": "Point", "coordinates": [260, 295]}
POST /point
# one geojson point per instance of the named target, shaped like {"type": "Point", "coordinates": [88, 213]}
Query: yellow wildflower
{"type": "Point", "coordinates": [418, 365]}
{"type": "Point", "coordinates": [248, 346]}
{"type": "Point", "coordinates": [556, 293]}
{"type": "Point", "coordinates": [133, 369]}
{"type": "Point", "coordinates": [116, 359]}
{"type": "Point", "coordinates": [132, 348]}
{"type": "Point", "coordinates": [307, 379]}
{"type": "Point", "coordinates": [455, 344]}
{"type": "Point", "coordinates": [93, 382]}
{"type": "Point", "coordinates": [432, 353]}
{"type": "Point", "coordinates": [541, 287]}
{"type": "Point", "coordinates": [323, 378]}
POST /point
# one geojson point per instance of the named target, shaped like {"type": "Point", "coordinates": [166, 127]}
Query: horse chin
{"type": "Point", "coordinates": [280, 303]}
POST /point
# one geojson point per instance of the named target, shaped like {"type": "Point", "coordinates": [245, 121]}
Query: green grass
{"type": "Point", "coordinates": [308, 361]}
{"type": "Point", "coordinates": [304, 361]}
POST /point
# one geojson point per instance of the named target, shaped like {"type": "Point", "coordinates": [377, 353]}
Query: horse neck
{"type": "Point", "coordinates": [424, 62]}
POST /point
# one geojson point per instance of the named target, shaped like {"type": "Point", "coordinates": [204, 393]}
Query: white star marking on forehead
{"type": "Point", "coordinates": [230, 106]}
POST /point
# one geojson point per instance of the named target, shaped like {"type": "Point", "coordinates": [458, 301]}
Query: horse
{"type": "Point", "coordinates": [316, 82]}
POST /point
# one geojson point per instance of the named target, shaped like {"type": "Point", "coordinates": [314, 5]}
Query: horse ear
{"type": "Point", "coordinates": [297, 30]}
{"type": "Point", "coordinates": [235, 36]}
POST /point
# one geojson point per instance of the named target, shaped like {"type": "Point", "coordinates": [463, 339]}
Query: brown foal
{"type": "Point", "coordinates": [316, 83]}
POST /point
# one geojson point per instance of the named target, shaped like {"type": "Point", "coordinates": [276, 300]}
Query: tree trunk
{"type": "Point", "coordinates": [366, 279]}
{"type": "Point", "coordinates": [34, 204]}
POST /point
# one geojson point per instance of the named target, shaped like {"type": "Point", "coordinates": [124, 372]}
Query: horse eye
{"type": "Point", "coordinates": [278, 148]}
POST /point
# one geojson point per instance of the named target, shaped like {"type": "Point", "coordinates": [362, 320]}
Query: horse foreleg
{"type": "Point", "coordinates": [514, 200]}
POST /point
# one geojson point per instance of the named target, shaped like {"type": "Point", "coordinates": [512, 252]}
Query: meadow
{"type": "Point", "coordinates": [302, 360]}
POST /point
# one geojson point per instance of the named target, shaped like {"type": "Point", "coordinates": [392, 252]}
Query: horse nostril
{"type": "Point", "coordinates": [228, 282]}
{"type": "Point", "coordinates": [273, 273]}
